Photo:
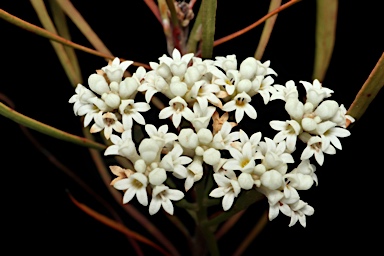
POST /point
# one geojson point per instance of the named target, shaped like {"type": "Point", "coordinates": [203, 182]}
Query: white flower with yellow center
{"type": "Point", "coordinates": [240, 103]}
{"type": "Point", "coordinates": [161, 197]}
{"type": "Point", "coordinates": [229, 188]}
{"type": "Point", "coordinates": [177, 108]}
{"type": "Point", "coordinates": [135, 184]}
{"type": "Point", "coordinates": [130, 110]}
{"type": "Point", "coordinates": [108, 122]}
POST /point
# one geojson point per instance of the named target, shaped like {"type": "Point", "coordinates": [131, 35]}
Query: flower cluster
{"type": "Point", "coordinates": [208, 99]}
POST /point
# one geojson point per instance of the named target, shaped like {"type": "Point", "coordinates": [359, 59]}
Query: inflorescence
{"type": "Point", "coordinates": [204, 95]}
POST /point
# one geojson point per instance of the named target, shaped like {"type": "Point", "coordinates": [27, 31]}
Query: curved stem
{"type": "Point", "coordinates": [44, 33]}
{"type": "Point", "coordinates": [246, 29]}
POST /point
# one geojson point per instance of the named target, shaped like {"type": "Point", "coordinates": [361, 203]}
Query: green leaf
{"type": "Point", "coordinates": [326, 16]}
{"type": "Point", "coordinates": [61, 53]}
{"type": "Point", "coordinates": [368, 91]}
{"type": "Point", "coordinates": [208, 27]}
{"type": "Point", "coordinates": [83, 26]}
{"type": "Point", "coordinates": [267, 30]}
{"type": "Point", "coordinates": [46, 129]}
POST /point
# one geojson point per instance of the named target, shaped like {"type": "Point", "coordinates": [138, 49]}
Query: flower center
{"type": "Point", "coordinates": [240, 101]}
{"type": "Point", "coordinates": [128, 109]}
{"type": "Point", "coordinates": [109, 121]}
{"type": "Point", "coordinates": [137, 184]}
{"type": "Point", "coordinates": [178, 107]}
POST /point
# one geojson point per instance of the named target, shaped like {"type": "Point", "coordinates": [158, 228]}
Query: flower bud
{"type": "Point", "coordinates": [211, 156]}
{"type": "Point", "coordinates": [327, 109]}
{"type": "Point", "coordinates": [157, 176]}
{"type": "Point", "coordinates": [244, 85]}
{"type": "Point", "coordinates": [177, 87]}
{"type": "Point", "coordinates": [272, 179]}
{"type": "Point", "coordinates": [164, 71]}
{"type": "Point", "coordinates": [188, 138]}
{"type": "Point", "coordinates": [98, 84]}
{"type": "Point", "coordinates": [245, 181]}
{"type": "Point", "coordinates": [248, 68]}
{"type": "Point", "coordinates": [295, 108]}
{"type": "Point", "coordinates": [308, 124]}
{"type": "Point", "coordinates": [128, 87]}
{"type": "Point", "coordinates": [192, 75]}
{"type": "Point", "coordinates": [205, 136]}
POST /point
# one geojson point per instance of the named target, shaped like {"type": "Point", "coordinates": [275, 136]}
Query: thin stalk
{"type": "Point", "coordinates": [45, 33]}
{"type": "Point", "coordinates": [246, 29]}
{"type": "Point", "coordinates": [42, 13]}
{"type": "Point", "coordinates": [267, 30]}
{"type": "Point", "coordinates": [62, 29]}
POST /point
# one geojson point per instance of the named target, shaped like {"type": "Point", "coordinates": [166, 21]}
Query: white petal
{"type": "Point", "coordinates": [154, 206]}
{"type": "Point", "coordinates": [167, 206]}
{"type": "Point", "coordinates": [128, 195]}
{"type": "Point", "coordinates": [228, 201]}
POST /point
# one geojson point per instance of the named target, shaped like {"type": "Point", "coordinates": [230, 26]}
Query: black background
{"type": "Point", "coordinates": [37, 214]}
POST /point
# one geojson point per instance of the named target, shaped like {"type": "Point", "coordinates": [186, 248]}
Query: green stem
{"type": "Point", "coordinates": [208, 21]}
{"type": "Point", "coordinates": [46, 129]}
{"type": "Point", "coordinates": [204, 237]}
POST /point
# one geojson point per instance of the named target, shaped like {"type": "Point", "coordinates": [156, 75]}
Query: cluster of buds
{"type": "Point", "coordinates": [208, 99]}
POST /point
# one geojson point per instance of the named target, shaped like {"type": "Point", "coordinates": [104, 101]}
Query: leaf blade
{"type": "Point", "coordinates": [326, 18]}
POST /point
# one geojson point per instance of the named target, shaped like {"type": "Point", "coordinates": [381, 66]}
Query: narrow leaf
{"type": "Point", "coordinates": [83, 26]}
{"type": "Point", "coordinates": [195, 35]}
{"type": "Point", "coordinates": [208, 21]}
{"type": "Point", "coordinates": [368, 91]}
{"type": "Point", "coordinates": [326, 17]}
{"type": "Point", "coordinates": [47, 23]}
{"type": "Point", "coordinates": [62, 29]}
{"type": "Point", "coordinates": [46, 129]}
{"type": "Point", "coordinates": [267, 30]}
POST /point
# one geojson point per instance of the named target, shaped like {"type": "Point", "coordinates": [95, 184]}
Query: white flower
{"type": "Point", "coordinates": [118, 142]}
{"type": "Point", "coordinates": [228, 62]}
{"type": "Point", "coordinates": [174, 162]}
{"type": "Point", "coordinates": [288, 130]}
{"type": "Point", "coordinates": [229, 188]}
{"type": "Point", "coordinates": [242, 160]}
{"type": "Point", "coordinates": [161, 197]}
{"type": "Point", "coordinates": [161, 135]}
{"type": "Point", "coordinates": [129, 109]}
{"type": "Point", "coordinates": [177, 108]}
{"type": "Point", "coordinates": [202, 117]}
{"type": "Point", "coordinates": [224, 137]}
{"type": "Point", "coordinates": [108, 122]}
{"type": "Point", "coordinates": [135, 184]}
{"type": "Point", "coordinates": [300, 210]}
{"type": "Point", "coordinates": [332, 134]}
{"type": "Point", "coordinates": [227, 81]}
{"type": "Point", "coordinates": [81, 98]}
{"type": "Point", "coordinates": [152, 84]}
{"type": "Point", "coordinates": [178, 64]}
{"type": "Point", "coordinates": [315, 92]}
{"type": "Point", "coordinates": [341, 117]}
{"type": "Point", "coordinates": [284, 92]}
{"type": "Point", "coordinates": [315, 147]}
{"type": "Point", "coordinates": [240, 103]}
{"type": "Point", "coordinates": [194, 173]}
{"type": "Point", "coordinates": [204, 92]}
{"type": "Point", "coordinates": [115, 69]}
